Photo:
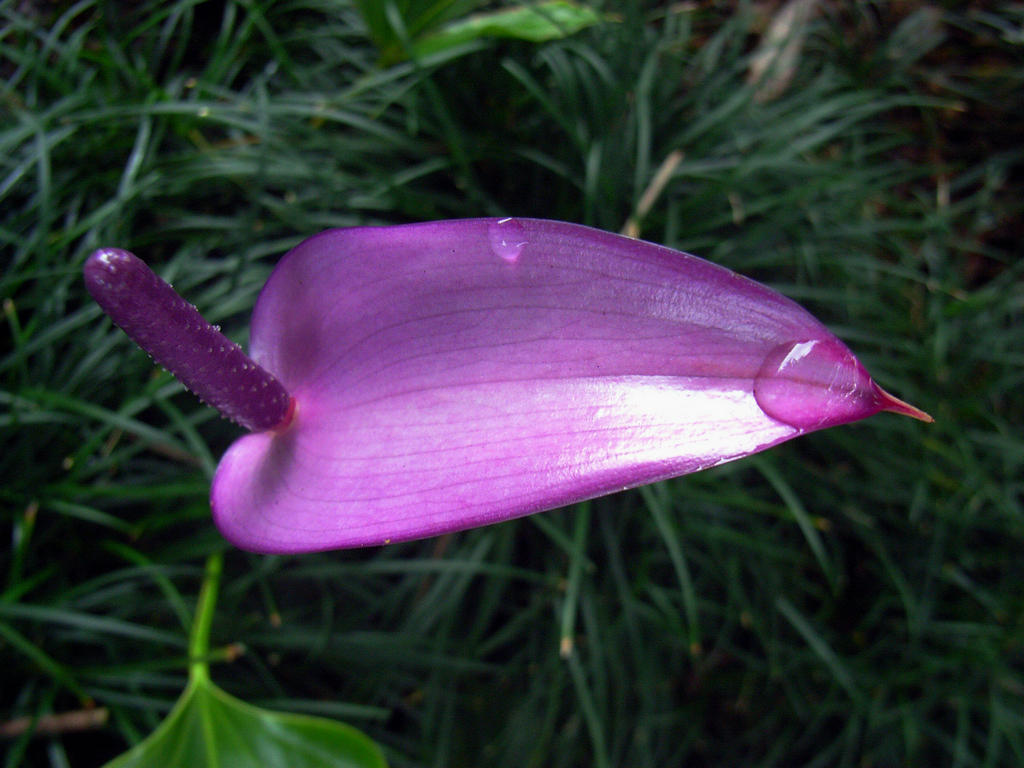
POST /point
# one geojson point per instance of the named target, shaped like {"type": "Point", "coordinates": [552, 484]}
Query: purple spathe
{"type": "Point", "coordinates": [458, 373]}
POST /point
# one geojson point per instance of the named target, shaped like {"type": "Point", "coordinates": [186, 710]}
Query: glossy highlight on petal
{"type": "Point", "coordinates": [459, 373]}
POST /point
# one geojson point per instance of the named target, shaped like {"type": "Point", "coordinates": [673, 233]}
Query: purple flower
{"type": "Point", "coordinates": [459, 373]}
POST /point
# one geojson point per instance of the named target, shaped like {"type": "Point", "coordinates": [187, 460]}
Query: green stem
{"type": "Point", "coordinates": [572, 589]}
{"type": "Point", "coordinates": [199, 639]}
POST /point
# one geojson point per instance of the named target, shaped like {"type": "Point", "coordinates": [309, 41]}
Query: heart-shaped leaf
{"type": "Point", "coordinates": [209, 728]}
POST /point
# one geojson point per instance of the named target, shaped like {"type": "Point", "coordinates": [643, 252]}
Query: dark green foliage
{"type": "Point", "coordinates": [852, 598]}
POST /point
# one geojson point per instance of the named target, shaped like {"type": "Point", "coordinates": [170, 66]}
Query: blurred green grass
{"type": "Point", "coordinates": [851, 598]}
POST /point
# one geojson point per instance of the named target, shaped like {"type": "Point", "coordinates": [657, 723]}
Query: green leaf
{"type": "Point", "coordinates": [534, 23]}
{"type": "Point", "coordinates": [210, 729]}
{"type": "Point", "coordinates": [417, 18]}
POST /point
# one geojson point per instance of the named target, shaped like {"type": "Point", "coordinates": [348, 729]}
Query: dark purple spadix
{"type": "Point", "coordinates": [177, 337]}
{"type": "Point", "coordinates": [459, 373]}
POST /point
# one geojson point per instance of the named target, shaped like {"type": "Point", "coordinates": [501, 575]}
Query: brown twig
{"type": "Point", "coordinates": [652, 193]}
{"type": "Point", "coordinates": [51, 725]}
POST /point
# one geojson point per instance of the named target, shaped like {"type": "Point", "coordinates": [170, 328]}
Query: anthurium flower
{"type": "Point", "coordinates": [413, 380]}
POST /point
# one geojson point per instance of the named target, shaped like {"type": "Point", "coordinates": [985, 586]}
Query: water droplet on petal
{"type": "Point", "coordinates": [815, 384]}
{"type": "Point", "coordinates": [507, 238]}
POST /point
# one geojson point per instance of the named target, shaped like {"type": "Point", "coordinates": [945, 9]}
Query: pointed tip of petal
{"type": "Point", "coordinates": [893, 404]}
{"type": "Point", "coordinates": [819, 383]}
